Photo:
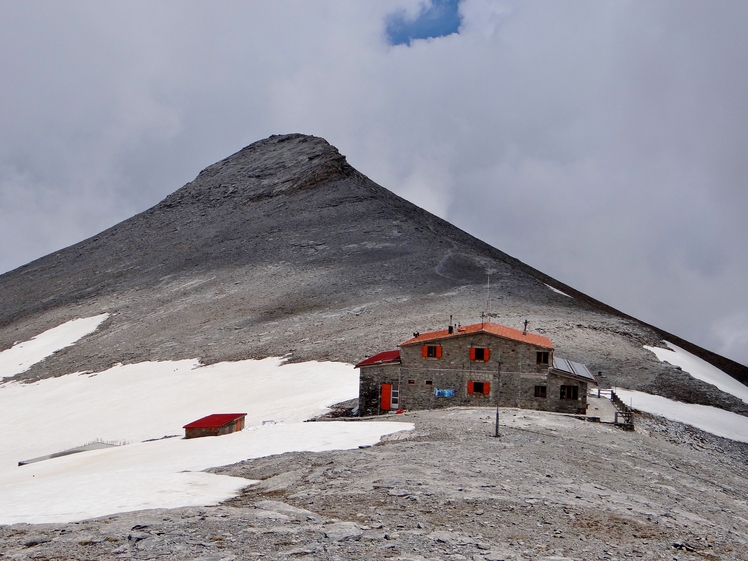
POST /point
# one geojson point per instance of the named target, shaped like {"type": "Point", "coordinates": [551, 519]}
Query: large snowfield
{"type": "Point", "coordinates": [137, 403]}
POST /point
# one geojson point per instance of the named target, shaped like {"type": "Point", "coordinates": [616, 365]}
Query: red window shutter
{"type": "Point", "coordinates": [470, 386]}
{"type": "Point", "coordinates": [424, 351]}
{"type": "Point", "coordinates": [472, 353]}
{"type": "Point", "coordinates": [439, 351]}
{"type": "Point", "coordinates": [486, 354]}
{"type": "Point", "coordinates": [486, 388]}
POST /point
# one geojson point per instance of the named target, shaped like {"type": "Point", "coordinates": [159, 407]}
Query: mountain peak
{"type": "Point", "coordinates": [276, 165]}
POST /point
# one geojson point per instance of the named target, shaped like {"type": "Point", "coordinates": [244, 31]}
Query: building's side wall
{"type": "Point", "coordinates": [555, 403]}
{"type": "Point", "coordinates": [371, 379]}
{"type": "Point", "coordinates": [228, 428]}
{"type": "Point", "coordinates": [517, 389]}
{"type": "Point", "coordinates": [197, 433]}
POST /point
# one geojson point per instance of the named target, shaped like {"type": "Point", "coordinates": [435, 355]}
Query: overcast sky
{"type": "Point", "coordinates": [604, 143]}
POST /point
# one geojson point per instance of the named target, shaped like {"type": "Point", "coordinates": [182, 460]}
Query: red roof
{"type": "Point", "coordinates": [215, 421]}
{"type": "Point", "coordinates": [387, 357]}
{"type": "Point", "coordinates": [486, 327]}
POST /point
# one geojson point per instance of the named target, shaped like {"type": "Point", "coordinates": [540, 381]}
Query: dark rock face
{"type": "Point", "coordinates": [285, 248]}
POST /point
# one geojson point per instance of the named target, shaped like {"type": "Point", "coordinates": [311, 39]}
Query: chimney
{"type": "Point", "coordinates": [524, 331]}
{"type": "Point", "coordinates": [450, 329]}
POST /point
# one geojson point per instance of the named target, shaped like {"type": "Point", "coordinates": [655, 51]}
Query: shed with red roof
{"type": "Point", "coordinates": [215, 425]}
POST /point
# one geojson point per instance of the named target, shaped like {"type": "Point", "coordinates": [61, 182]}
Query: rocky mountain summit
{"type": "Point", "coordinates": [284, 249]}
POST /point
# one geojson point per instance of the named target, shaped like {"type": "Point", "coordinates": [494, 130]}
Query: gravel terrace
{"type": "Point", "coordinates": [552, 487]}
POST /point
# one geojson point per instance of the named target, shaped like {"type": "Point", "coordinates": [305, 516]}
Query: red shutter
{"type": "Point", "coordinates": [424, 351]}
{"type": "Point", "coordinates": [486, 388]}
{"type": "Point", "coordinates": [472, 353]}
{"type": "Point", "coordinates": [439, 351]}
{"type": "Point", "coordinates": [470, 386]}
{"type": "Point", "coordinates": [486, 354]}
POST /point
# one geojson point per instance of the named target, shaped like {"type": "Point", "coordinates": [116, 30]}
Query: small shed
{"type": "Point", "coordinates": [215, 425]}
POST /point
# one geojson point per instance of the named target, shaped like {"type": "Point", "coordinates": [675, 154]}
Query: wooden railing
{"type": "Point", "coordinates": [624, 415]}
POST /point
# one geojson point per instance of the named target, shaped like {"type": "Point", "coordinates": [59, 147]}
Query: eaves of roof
{"type": "Point", "coordinates": [485, 327]}
{"type": "Point", "coordinates": [386, 357]}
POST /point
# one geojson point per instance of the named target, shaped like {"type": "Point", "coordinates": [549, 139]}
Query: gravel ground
{"type": "Point", "coordinates": [551, 487]}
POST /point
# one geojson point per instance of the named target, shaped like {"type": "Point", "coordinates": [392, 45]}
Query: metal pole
{"type": "Point", "coordinates": [498, 389]}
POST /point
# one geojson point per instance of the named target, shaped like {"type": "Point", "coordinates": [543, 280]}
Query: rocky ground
{"type": "Point", "coordinates": [551, 487]}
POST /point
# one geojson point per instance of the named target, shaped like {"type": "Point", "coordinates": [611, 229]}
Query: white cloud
{"type": "Point", "coordinates": [605, 142]}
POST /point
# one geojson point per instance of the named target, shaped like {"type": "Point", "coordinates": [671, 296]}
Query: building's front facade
{"type": "Point", "coordinates": [480, 364]}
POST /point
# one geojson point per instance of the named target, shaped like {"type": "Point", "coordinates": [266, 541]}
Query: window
{"type": "Point", "coordinates": [569, 392]}
{"type": "Point", "coordinates": [541, 391]}
{"type": "Point", "coordinates": [429, 382]}
{"type": "Point", "coordinates": [483, 388]}
{"type": "Point", "coordinates": [543, 357]}
{"type": "Point", "coordinates": [431, 351]}
{"type": "Point", "coordinates": [479, 353]}
{"type": "Point", "coordinates": [411, 382]}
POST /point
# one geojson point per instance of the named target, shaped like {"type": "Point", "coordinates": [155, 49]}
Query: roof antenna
{"type": "Point", "coordinates": [488, 297]}
{"type": "Point", "coordinates": [524, 331]}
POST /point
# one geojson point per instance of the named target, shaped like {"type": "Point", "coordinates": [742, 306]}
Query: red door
{"type": "Point", "coordinates": [385, 397]}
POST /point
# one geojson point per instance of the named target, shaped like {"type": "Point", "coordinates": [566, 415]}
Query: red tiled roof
{"type": "Point", "coordinates": [486, 327]}
{"type": "Point", "coordinates": [387, 357]}
{"type": "Point", "coordinates": [215, 421]}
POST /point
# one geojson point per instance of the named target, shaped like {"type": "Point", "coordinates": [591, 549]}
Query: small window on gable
{"type": "Point", "coordinates": [543, 357]}
{"type": "Point", "coordinates": [479, 353]}
{"type": "Point", "coordinates": [429, 382]}
{"type": "Point", "coordinates": [411, 382]}
{"type": "Point", "coordinates": [483, 388]}
{"type": "Point", "coordinates": [541, 391]}
{"type": "Point", "coordinates": [569, 392]}
{"type": "Point", "coordinates": [431, 351]}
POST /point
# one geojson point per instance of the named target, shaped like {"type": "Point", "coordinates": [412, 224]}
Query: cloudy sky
{"type": "Point", "coordinates": [605, 143]}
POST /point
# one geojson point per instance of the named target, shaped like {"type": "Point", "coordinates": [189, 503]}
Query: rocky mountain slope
{"type": "Point", "coordinates": [284, 248]}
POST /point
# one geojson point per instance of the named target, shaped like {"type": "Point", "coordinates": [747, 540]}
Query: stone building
{"type": "Point", "coordinates": [480, 364]}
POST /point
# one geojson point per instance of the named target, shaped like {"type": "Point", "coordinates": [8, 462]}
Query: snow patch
{"type": "Point", "coordinates": [22, 356]}
{"type": "Point", "coordinates": [710, 419]}
{"type": "Point", "coordinates": [557, 291]}
{"type": "Point", "coordinates": [700, 369]}
{"type": "Point", "coordinates": [162, 474]}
